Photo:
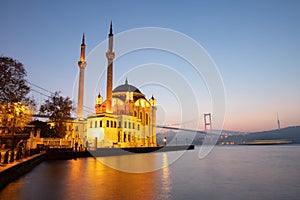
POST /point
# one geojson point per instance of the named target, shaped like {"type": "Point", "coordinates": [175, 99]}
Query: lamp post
{"type": "Point", "coordinates": [165, 141]}
{"type": "Point", "coordinates": [15, 106]}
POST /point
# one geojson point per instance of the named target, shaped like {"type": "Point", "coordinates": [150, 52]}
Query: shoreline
{"type": "Point", "coordinates": [13, 171]}
{"type": "Point", "coordinates": [267, 142]}
{"type": "Point", "coordinates": [60, 154]}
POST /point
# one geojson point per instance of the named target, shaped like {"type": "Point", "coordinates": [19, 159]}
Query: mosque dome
{"type": "Point", "coordinates": [126, 88]}
{"type": "Point", "coordinates": [120, 91]}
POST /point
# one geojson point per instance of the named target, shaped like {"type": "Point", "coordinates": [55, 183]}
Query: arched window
{"type": "Point", "coordinates": [100, 123]}
{"type": "Point", "coordinates": [135, 113]}
{"type": "Point", "coordinates": [141, 116]}
{"type": "Point", "coordinates": [119, 136]}
{"type": "Point", "coordinates": [147, 121]}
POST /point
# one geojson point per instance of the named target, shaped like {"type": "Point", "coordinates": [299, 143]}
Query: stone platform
{"type": "Point", "coordinates": [12, 171]}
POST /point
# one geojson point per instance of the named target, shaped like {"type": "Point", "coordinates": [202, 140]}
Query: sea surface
{"type": "Point", "coordinates": [228, 172]}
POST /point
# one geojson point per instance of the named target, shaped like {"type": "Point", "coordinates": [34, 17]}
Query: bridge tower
{"type": "Point", "coordinates": [207, 122]}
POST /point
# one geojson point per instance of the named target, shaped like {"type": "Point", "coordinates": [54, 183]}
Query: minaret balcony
{"type": "Point", "coordinates": [110, 55]}
{"type": "Point", "coordinates": [82, 64]}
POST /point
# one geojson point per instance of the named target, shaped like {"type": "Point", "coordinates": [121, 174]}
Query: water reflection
{"type": "Point", "coordinates": [90, 179]}
{"type": "Point", "coordinates": [227, 173]}
{"type": "Point", "coordinates": [166, 181]}
{"type": "Point", "coordinates": [141, 163]}
{"type": "Point", "coordinates": [135, 163]}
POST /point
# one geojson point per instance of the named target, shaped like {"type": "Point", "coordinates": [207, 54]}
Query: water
{"type": "Point", "coordinates": [232, 172]}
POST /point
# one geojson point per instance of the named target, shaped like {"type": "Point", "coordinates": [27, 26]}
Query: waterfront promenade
{"type": "Point", "coordinates": [4, 167]}
{"type": "Point", "coordinates": [17, 168]}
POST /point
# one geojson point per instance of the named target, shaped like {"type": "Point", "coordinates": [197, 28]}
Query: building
{"type": "Point", "coordinates": [125, 119]}
{"type": "Point", "coordinates": [132, 122]}
{"type": "Point", "coordinates": [14, 119]}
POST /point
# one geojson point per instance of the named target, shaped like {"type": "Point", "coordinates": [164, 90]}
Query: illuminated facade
{"type": "Point", "coordinates": [126, 118]}
{"type": "Point", "coordinates": [14, 117]}
{"type": "Point", "coordinates": [71, 128]}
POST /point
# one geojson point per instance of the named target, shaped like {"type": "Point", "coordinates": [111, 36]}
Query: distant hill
{"type": "Point", "coordinates": [289, 133]}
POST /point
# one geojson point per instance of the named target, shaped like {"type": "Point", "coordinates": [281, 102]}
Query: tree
{"type": "Point", "coordinates": [14, 117]}
{"type": "Point", "coordinates": [13, 84]}
{"type": "Point", "coordinates": [15, 106]}
{"type": "Point", "coordinates": [59, 111]}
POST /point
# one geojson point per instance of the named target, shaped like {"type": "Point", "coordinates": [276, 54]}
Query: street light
{"type": "Point", "coordinates": [165, 141]}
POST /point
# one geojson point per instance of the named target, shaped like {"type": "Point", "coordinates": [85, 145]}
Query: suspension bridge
{"type": "Point", "coordinates": [158, 126]}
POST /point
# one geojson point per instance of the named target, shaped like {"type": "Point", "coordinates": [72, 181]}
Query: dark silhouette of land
{"type": "Point", "coordinates": [289, 133]}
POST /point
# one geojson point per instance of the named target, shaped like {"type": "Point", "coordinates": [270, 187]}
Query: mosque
{"type": "Point", "coordinates": [126, 118]}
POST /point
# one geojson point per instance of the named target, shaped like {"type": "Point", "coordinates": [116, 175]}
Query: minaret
{"type": "Point", "coordinates": [81, 65]}
{"type": "Point", "coordinates": [110, 55]}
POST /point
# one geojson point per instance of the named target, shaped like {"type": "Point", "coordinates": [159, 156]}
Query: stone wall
{"type": "Point", "coordinates": [10, 174]}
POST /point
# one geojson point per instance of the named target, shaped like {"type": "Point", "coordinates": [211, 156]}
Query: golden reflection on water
{"type": "Point", "coordinates": [166, 182]}
{"type": "Point", "coordinates": [136, 163]}
{"type": "Point", "coordinates": [91, 179]}
{"type": "Point", "coordinates": [104, 182]}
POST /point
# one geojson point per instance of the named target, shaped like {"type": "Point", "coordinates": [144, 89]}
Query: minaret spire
{"type": "Point", "coordinates": [110, 29]}
{"type": "Point", "coordinates": [110, 55]}
{"type": "Point", "coordinates": [83, 40]}
{"type": "Point", "coordinates": [82, 53]}
{"type": "Point", "coordinates": [81, 65]}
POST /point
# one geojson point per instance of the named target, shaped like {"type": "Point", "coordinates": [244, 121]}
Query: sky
{"type": "Point", "coordinates": [254, 44]}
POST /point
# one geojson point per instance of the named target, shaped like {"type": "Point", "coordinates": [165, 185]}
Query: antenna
{"type": "Point", "coordinates": [278, 122]}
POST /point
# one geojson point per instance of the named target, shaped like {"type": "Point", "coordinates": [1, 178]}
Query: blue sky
{"type": "Point", "coordinates": [255, 45]}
